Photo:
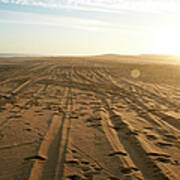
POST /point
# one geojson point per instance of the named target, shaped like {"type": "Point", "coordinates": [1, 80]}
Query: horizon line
{"type": "Point", "coordinates": [4, 55]}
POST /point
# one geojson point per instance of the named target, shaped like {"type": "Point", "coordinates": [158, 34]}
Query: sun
{"type": "Point", "coordinates": [167, 40]}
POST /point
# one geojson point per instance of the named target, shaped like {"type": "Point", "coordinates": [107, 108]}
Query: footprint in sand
{"type": "Point", "coordinates": [97, 168]}
{"type": "Point", "coordinates": [28, 129]}
{"type": "Point", "coordinates": [151, 137]}
{"type": "Point", "coordinates": [117, 153]}
{"type": "Point", "coordinates": [163, 160]}
{"type": "Point", "coordinates": [72, 162]}
{"type": "Point", "coordinates": [36, 157]}
{"type": "Point", "coordinates": [75, 177]}
{"type": "Point", "coordinates": [2, 109]}
{"type": "Point", "coordinates": [1, 136]}
{"type": "Point", "coordinates": [85, 162]}
{"type": "Point", "coordinates": [73, 150]}
{"type": "Point", "coordinates": [118, 126]}
{"type": "Point", "coordinates": [149, 128]}
{"type": "Point", "coordinates": [17, 116]}
{"type": "Point", "coordinates": [90, 174]}
{"type": "Point", "coordinates": [171, 137]}
{"type": "Point", "coordinates": [27, 123]}
{"type": "Point", "coordinates": [158, 154]}
{"type": "Point", "coordinates": [113, 178]}
{"type": "Point", "coordinates": [164, 144]}
{"type": "Point", "coordinates": [74, 115]}
{"type": "Point", "coordinates": [83, 113]}
{"type": "Point", "coordinates": [86, 168]}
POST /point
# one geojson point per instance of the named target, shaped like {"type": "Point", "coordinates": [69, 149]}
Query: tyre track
{"type": "Point", "coordinates": [157, 169]}
{"type": "Point", "coordinates": [21, 87]}
{"type": "Point", "coordinates": [143, 91]}
{"type": "Point", "coordinates": [16, 92]}
{"type": "Point", "coordinates": [132, 99]}
{"type": "Point", "coordinates": [127, 164]}
{"type": "Point", "coordinates": [56, 146]}
{"type": "Point", "coordinates": [4, 123]}
{"type": "Point", "coordinates": [137, 152]}
{"type": "Point", "coordinates": [118, 147]}
{"type": "Point", "coordinates": [64, 140]}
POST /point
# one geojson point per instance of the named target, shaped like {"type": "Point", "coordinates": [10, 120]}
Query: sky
{"type": "Point", "coordinates": [87, 27]}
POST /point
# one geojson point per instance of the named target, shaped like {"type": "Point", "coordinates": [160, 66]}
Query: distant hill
{"type": "Point", "coordinates": [142, 58]}
{"type": "Point", "coordinates": [157, 56]}
{"type": "Point", "coordinates": [17, 55]}
{"type": "Point", "coordinates": [140, 55]}
{"type": "Point", "coordinates": [116, 55]}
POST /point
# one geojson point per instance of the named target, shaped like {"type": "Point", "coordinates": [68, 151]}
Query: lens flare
{"type": "Point", "coordinates": [135, 73]}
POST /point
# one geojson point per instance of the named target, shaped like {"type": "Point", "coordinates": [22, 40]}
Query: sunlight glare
{"type": "Point", "coordinates": [167, 40]}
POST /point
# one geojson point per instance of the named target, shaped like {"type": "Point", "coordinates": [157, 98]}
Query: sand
{"type": "Point", "coordinates": [91, 118]}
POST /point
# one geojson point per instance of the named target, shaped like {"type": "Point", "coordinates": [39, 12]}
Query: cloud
{"type": "Point", "coordinates": [54, 20]}
{"type": "Point", "coordinates": [105, 5]}
{"type": "Point", "coordinates": [12, 17]}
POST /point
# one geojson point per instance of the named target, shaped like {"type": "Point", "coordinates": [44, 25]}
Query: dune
{"type": "Point", "coordinates": [107, 117]}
